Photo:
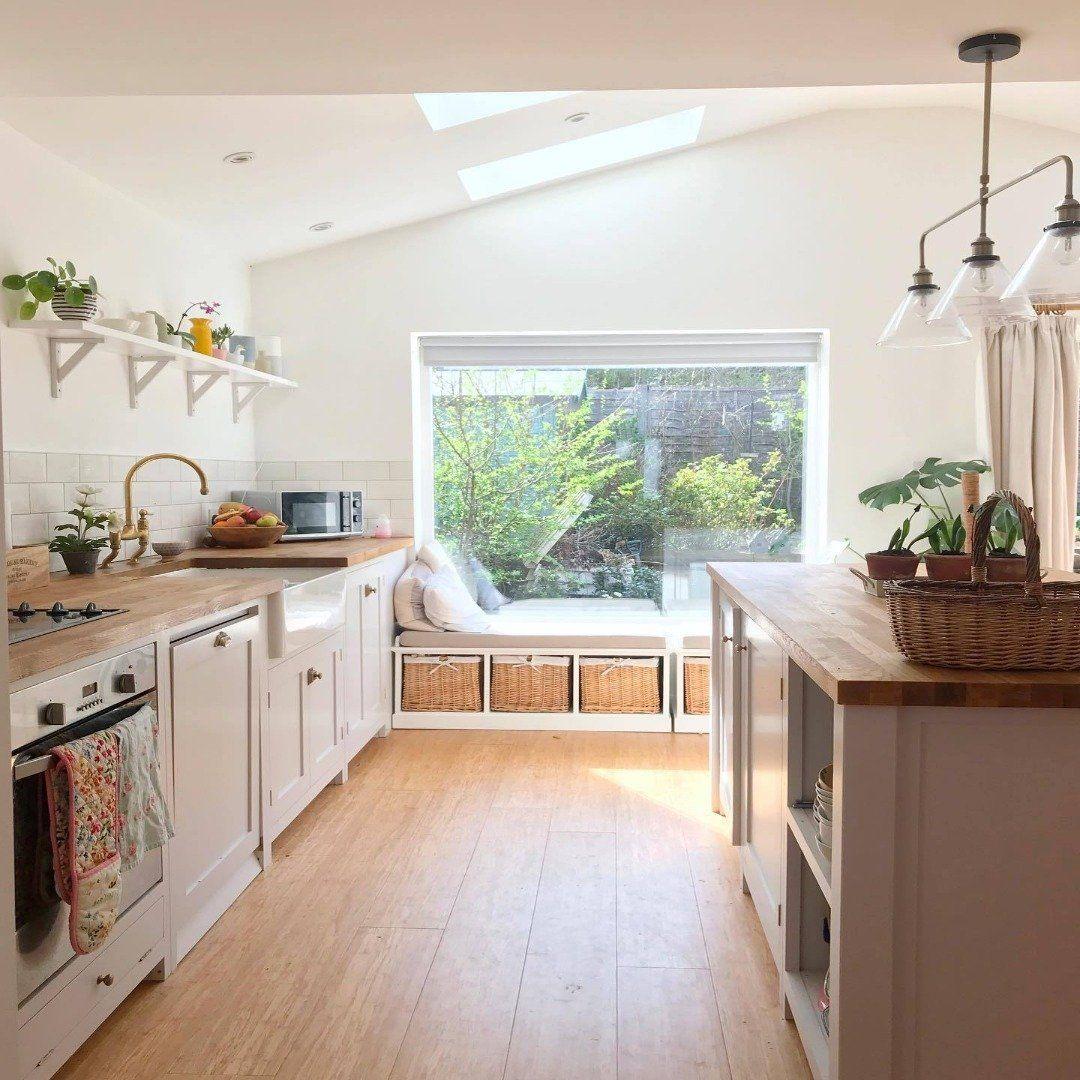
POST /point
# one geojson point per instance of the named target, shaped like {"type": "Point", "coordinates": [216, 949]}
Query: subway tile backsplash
{"type": "Point", "coordinates": [40, 487]}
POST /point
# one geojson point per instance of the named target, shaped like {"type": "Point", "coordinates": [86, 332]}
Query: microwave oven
{"type": "Point", "coordinates": [311, 515]}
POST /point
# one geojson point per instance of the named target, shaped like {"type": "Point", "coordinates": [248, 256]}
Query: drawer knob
{"type": "Point", "coordinates": [313, 675]}
{"type": "Point", "coordinates": [105, 980]}
{"type": "Point", "coordinates": [222, 640]}
{"type": "Point", "coordinates": [370, 590]}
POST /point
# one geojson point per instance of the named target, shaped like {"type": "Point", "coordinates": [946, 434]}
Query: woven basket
{"type": "Point", "coordinates": [530, 684]}
{"type": "Point", "coordinates": [995, 626]}
{"type": "Point", "coordinates": [696, 699]}
{"type": "Point", "coordinates": [628, 684]}
{"type": "Point", "coordinates": [441, 683]}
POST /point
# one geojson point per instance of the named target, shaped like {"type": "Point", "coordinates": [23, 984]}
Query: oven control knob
{"type": "Point", "coordinates": [55, 714]}
{"type": "Point", "coordinates": [125, 684]}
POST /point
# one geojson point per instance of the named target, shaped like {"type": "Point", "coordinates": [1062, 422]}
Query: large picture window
{"type": "Point", "coordinates": [616, 482]}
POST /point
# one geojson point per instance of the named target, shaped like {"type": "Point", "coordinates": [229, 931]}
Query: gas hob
{"type": "Point", "coordinates": [26, 622]}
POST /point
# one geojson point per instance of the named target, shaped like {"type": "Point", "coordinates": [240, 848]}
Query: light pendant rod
{"type": "Point", "coordinates": [1068, 201]}
{"type": "Point", "coordinates": [984, 179]}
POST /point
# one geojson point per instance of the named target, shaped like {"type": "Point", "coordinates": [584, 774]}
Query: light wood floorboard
{"type": "Point", "coordinates": [520, 905]}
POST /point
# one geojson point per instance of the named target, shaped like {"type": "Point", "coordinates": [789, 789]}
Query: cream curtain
{"type": "Point", "coordinates": [1030, 375]}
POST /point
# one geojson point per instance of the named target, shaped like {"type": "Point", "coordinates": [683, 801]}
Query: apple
{"type": "Point", "coordinates": [251, 516]}
{"type": "Point", "coordinates": [267, 521]}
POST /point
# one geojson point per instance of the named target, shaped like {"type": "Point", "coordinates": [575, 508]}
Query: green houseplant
{"type": "Point", "coordinates": [70, 296]}
{"type": "Point", "coordinates": [897, 560]}
{"type": "Point", "coordinates": [1003, 561]}
{"type": "Point", "coordinates": [220, 336]}
{"type": "Point", "coordinates": [74, 542]}
{"type": "Point", "coordinates": [926, 485]}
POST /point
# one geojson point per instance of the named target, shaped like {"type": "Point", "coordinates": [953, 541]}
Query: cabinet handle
{"type": "Point", "coordinates": [370, 590]}
{"type": "Point", "coordinates": [727, 637]}
{"type": "Point", "coordinates": [222, 640]}
{"type": "Point", "coordinates": [105, 980]}
{"type": "Point", "coordinates": [313, 675]}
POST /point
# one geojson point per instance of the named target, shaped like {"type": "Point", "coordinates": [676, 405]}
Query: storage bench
{"type": "Point", "coordinates": [693, 685]}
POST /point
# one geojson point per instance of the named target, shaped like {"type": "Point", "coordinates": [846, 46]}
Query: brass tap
{"type": "Point", "coordinates": [141, 532]}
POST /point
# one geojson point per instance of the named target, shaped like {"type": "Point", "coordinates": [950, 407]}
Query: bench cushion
{"type": "Point", "coordinates": [440, 639]}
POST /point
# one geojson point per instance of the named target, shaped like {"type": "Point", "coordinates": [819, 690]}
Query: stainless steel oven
{"type": "Point", "coordinates": [311, 515]}
{"type": "Point", "coordinates": [43, 716]}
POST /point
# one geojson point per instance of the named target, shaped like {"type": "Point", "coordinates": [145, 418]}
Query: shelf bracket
{"type": "Point", "coordinates": [240, 400]}
{"type": "Point", "coordinates": [138, 383]}
{"type": "Point", "coordinates": [60, 369]}
{"type": "Point", "coordinates": [195, 392]}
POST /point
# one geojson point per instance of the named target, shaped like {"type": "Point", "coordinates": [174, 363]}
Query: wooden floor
{"type": "Point", "coordinates": [480, 905]}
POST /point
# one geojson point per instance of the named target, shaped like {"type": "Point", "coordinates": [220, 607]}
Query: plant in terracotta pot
{"type": "Point", "coordinates": [947, 560]}
{"type": "Point", "coordinates": [70, 296]}
{"type": "Point", "coordinates": [897, 560]}
{"type": "Point", "coordinates": [220, 336]}
{"type": "Point", "coordinates": [74, 542]}
{"type": "Point", "coordinates": [1003, 561]}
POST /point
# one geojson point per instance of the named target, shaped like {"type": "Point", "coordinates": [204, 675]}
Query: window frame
{"type": "Point", "coordinates": [729, 348]}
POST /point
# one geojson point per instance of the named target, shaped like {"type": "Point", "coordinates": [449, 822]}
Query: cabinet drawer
{"type": "Point", "coordinates": [101, 985]}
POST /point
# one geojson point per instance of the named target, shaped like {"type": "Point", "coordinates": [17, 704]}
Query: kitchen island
{"type": "Point", "coordinates": [945, 911]}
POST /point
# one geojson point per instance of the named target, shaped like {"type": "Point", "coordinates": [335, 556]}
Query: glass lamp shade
{"type": "Point", "coordinates": [976, 295]}
{"type": "Point", "coordinates": [909, 329]}
{"type": "Point", "coordinates": [1051, 274]}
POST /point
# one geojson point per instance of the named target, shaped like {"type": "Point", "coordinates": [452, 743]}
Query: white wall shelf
{"type": "Point", "coordinates": [146, 360]}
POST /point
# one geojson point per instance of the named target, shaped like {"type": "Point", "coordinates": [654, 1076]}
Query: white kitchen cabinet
{"type": "Point", "coordinates": [369, 628]}
{"type": "Point", "coordinates": [215, 738]}
{"type": "Point", "coordinates": [305, 722]}
{"type": "Point", "coordinates": [763, 825]}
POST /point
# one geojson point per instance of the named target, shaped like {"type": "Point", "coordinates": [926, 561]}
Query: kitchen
{"type": "Point", "coordinates": [334, 894]}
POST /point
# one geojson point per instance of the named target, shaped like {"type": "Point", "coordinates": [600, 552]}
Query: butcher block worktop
{"type": "Point", "coordinates": [840, 636]}
{"type": "Point", "coordinates": [159, 601]}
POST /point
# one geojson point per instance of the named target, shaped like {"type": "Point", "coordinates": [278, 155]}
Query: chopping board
{"type": "Point", "coordinates": [26, 568]}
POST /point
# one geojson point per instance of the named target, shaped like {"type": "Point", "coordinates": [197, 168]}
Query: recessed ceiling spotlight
{"type": "Point", "coordinates": [320, 226]}
{"type": "Point", "coordinates": [576, 118]}
{"type": "Point", "coordinates": [240, 157]}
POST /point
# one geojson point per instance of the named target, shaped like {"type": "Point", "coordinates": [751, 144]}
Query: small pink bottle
{"type": "Point", "coordinates": [381, 529]}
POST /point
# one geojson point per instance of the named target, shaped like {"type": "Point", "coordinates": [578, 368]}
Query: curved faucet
{"type": "Point", "coordinates": [141, 532]}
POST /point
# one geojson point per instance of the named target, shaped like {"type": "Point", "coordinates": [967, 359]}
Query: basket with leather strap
{"type": "Point", "coordinates": [530, 684]}
{"type": "Point", "coordinates": [620, 684]}
{"type": "Point", "coordinates": [441, 683]}
{"type": "Point", "coordinates": [995, 626]}
{"type": "Point", "coordinates": [696, 686]}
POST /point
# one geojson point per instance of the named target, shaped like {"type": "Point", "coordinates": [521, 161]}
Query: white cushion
{"type": "Point", "coordinates": [409, 598]}
{"type": "Point", "coordinates": [434, 556]}
{"type": "Point", "coordinates": [697, 641]}
{"type": "Point", "coordinates": [448, 605]}
{"type": "Point", "coordinates": [496, 639]}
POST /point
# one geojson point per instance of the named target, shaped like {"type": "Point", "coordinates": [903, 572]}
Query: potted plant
{"type": "Point", "coordinates": [79, 550]}
{"type": "Point", "coordinates": [70, 296]}
{"type": "Point", "coordinates": [947, 560]}
{"type": "Point", "coordinates": [175, 334]}
{"type": "Point", "coordinates": [927, 484]}
{"type": "Point", "coordinates": [1003, 561]}
{"type": "Point", "coordinates": [220, 336]}
{"type": "Point", "coordinates": [897, 560]}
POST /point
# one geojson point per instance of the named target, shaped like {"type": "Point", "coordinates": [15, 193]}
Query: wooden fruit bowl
{"type": "Point", "coordinates": [246, 536]}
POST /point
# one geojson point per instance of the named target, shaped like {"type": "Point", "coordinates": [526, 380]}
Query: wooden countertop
{"type": "Point", "coordinates": [840, 636]}
{"type": "Point", "coordinates": [351, 552]}
{"type": "Point", "coordinates": [158, 601]}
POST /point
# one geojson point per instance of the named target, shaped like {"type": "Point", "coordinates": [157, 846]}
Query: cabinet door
{"type": "Point", "coordinates": [763, 777]}
{"type": "Point", "coordinates": [321, 707]}
{"type": "Point", "coordinates": [289, 763]}
{"type": "Point", "coordinates": [215, 736]}
{"type": "Point", "coordinates": [369, 633]}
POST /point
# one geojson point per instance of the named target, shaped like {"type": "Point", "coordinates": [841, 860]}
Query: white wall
{"type": "Point", "coordinates": [140, 261]}
{"type": "Point", "coordinates": [808, 224]}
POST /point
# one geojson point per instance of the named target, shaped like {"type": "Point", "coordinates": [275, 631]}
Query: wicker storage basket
{"type": "Point", "coordinates": [696, 699]}
{"type": "Point", "coordinates": [441, 683]}
{"type": "Point", "coordinates": [530, 684]}
{"type": "Point", "coordinates": [613, 684]}
{"type": "Point", "coordinates": [995, 626]}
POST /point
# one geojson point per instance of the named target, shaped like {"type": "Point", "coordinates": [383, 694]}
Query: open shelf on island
{"type": "Point", "coordinates": [801, 823]}
{"type": "Point", "coordinates": [802, 989]}
{"type": "Point", "coordinates": [146, 359]}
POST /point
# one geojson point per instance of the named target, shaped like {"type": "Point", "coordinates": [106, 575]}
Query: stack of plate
{"type": "Point", "coordinates": [823, 808]}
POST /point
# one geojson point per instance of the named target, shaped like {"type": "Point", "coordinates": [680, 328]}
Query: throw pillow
{"type": "Point", "coordinates": [409, 598]}
{"type": "Point", "coordinates": [449, 606]}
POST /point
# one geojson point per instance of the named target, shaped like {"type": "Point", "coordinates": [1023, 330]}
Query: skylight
{"type": "Point", "coordinates": [583, 155]}
{"type": "Point", "coordinates": [449, 110]}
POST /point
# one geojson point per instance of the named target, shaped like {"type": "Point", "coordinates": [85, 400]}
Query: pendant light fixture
{"type": "Point", "coordinates": [984, 292]}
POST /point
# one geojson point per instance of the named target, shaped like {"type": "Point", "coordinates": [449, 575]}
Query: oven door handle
{"type": "Point", "coordinates": [20, 770]}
